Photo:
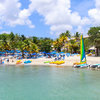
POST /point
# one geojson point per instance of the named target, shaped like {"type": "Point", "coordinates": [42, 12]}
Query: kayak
{"type": "Point", "coordinates": [47, 61]}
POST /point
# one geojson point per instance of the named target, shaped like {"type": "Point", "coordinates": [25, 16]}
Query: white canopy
{"type": "Point", "coordinates": [92, 48]}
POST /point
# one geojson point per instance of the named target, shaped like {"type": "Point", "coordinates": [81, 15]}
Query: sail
{"type": "Point", "coordinates": [83, 56]}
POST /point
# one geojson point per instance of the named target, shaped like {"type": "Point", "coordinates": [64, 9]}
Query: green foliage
{"type": "Point", "coordinates": [65, 42]}
{"type": "Point", "coordinates": [35, 40]}
{"type": "Point", "coordinates": [87, 44]}
{"type": "Point", "coordinates": [94, 35]}
{"type": "Point", "coordinates": [11, 36]}
{"type": "Point", "coordinates": [66, 34]}
{"type": "Point", "coordinates": [77, 36]}
{"type": "Point", "coordinates": [92, 52]}
{"type": "Point", "coordinates": [45, 44]}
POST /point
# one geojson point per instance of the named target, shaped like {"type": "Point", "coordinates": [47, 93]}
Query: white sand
{"type": "Point", "coordinates": [68, 61]}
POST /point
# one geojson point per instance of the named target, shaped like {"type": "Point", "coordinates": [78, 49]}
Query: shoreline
{"type": "Point", "coordinates": [40, 61]}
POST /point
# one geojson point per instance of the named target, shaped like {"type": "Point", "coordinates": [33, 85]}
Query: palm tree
{"type": "Point", "coordinates": [77, 36]}
{"type": "Point", "coordinates": [33, 48]}
{"type": "Point", "coordinates": [57, 45]}
{"type": "Point", "coordinates": [21, 46]}
{"type": "Point", "coordinates": [66, 34]}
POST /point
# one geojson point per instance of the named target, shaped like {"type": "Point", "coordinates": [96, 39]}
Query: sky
{"type": "Point", "coordinates": [48, 18]}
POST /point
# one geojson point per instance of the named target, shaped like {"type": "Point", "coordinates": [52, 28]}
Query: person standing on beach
{"type": "Point", "coordinates": [7, 60]}
{"type": "Point", "coordinates": [63, 57]}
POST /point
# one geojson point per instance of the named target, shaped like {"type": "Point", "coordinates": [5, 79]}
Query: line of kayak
{"type": "Point", "coordinates": [87, 65]}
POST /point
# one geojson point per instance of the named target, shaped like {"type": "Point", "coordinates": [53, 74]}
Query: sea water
{"type": "Point", "coordinates": [48, 83]}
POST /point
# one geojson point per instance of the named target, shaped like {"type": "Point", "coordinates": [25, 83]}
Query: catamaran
{"type": "Point", "coordinates": [82, 57]}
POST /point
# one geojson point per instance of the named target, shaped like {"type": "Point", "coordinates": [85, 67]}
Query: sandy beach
{"type": "Point", "coordinates": [40, 61]}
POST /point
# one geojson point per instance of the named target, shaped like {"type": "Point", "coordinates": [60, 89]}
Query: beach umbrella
{"type": "Point", "coordinates": [61, 52]}
{"type": "Point", "coordinates": [12, 51]}
{"type": "Point", "coordinates": [53, 52]}
{"type": "Point", "coordinates": [26, 51]}
{"type": "Point", "coordinates": [7, 51]}
{"type": "Point", "coordinates": [18, 51]}
{"type": "Point", "coordinates": [48, 53]}
{"type": "Point", "coordinates": [57, 54]}
{"type": "Point", "coordinates": [33, 53]}
{"type": "Point", "coordinates": [44, 52]}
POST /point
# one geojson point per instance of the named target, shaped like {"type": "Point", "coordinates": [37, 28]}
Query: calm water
{"type": "Point", "coordinates": [48, 83]}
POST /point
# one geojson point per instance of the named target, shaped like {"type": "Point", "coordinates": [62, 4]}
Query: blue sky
{"type": "Point", "coordinates": [48, 18]}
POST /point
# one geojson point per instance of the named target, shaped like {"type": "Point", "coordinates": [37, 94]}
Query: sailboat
{"type": "Point", "coordinates": [82, 57]}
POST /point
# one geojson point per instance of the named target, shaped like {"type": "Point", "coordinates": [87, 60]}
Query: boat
{"type": "Point", "coordinates": [95, 66]}
{"type": "Point", "coordinates": [81, 66]}
{"type": "Point", "coordinates": [82, 63]}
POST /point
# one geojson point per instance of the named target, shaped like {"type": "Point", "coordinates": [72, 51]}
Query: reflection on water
{"type": "Point", "coordinates": [48, 83]}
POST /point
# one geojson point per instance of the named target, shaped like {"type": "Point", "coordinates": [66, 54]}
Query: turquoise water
{"type": "Point", "coordinates": [48, 83]}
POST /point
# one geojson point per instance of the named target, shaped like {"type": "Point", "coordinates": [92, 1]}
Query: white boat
{"type": "Point", "coordinates": [95, 66]}
{"type": "Point", "coordinates": [81, 66]}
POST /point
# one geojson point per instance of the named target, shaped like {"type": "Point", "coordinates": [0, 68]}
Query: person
{"type": "Point", "coordinates": [63, 57]}
{"type": "Point", "coordinates": [0, 61]}
{"type": "Point", "coordinates": [7, 60]}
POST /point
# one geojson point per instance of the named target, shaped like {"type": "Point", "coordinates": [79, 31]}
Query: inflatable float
{"type": "Point", "coordinates": [28, 61]}
{"type": "Point", "coordinates": [47, 61]}
{"type": "Point", "coordinates": [57, 62]}
{"type": "Point", "coordinates": [2, 63]}
{"type": "Point", "coordinates": [19, 62]}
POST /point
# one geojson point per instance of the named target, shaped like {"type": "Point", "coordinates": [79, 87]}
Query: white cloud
{"type": "Point", "coordinates": [60, 28]}
{"type": "Point", "coordinates": [57, 14]}
{"type": "Point", "coordinates": [10, 13]}
{"type": "Point", "coordinates": [94, 14]}
{"type": "Point", "coordinates": [7, 32]}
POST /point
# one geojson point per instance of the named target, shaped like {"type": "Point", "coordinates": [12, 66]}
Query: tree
{"type": "Point", "coordinates": [11, 36]}
{"type": "Point", "coordinates": [57, 44]}
{"type": "Point", "coordinates": [21, 46]}
{"type": "Point", "coordinates": [66, 34]}
{"type": "Point", "coordinates": [22, 38]}
{"type": "Point", "coordinates": [74, 46]}
{"type": "Point", "coordinates": [12, 41]}
{"type": "Point", "coordinates": [35, 40]}
{"type": "Point", "coordinates": [63, 38]}
{"type": "Point", "coordinates": [87, 44]}
{"type": "Point", "coordinates": [5, 43]}
{"type": "Point", "coordinates": [94, 33]}
{"type": "Point", "coordinates": [94, 36]}
{"type": "Point", "coordinates": [77, 36]}
{"type": "Point", "coordinates": [33, 48]}
{"type": "Point", "coordinates": [45, 44]}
